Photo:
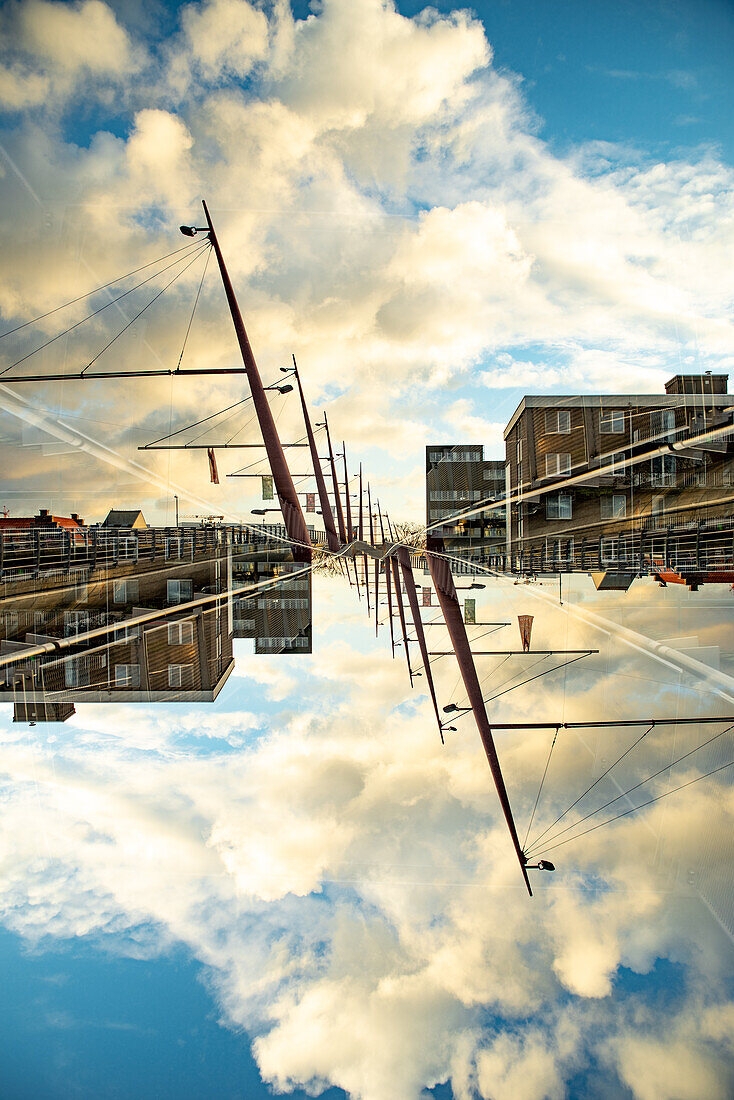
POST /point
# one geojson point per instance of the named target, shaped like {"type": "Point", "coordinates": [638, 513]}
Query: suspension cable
{"type": "Point", "coordinates": [540, 788]}
{"type": "Point", "coordinates": [95, 312]}
{"type": "Point", "coordinates": [193, 311]}
{"type": "Point", "coordinates": [97, 290]}
{"type": "Point", "coordinates": [636, 786]}
{"type": "Point", "coordinates": [634, 809]}
{"type": "Point", "coordinates": [597, 780]}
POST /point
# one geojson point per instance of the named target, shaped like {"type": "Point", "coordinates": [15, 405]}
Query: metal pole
{"type": "Point", "coordinates": [293, 518]}
{"type": "Point", "coordinates": [408, 576]}
{"type": "Point", "coordinates": [446, 592]}
{"type": "Point", "coordinates": [337, 495]}
{"type": "Point", "coordinates": [332, 540]}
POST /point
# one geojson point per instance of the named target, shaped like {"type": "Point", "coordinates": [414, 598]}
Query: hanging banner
{"type": "Point", "coordinates": [310, 502]}
{"type": "Point", "coordinates": [526, 627]}
{"type": "Point", "coordinates": [427, 597]}
{"type": "Point", "coordinates": [267, 486]}
{"type": "Point", "coordinates": [470, 611]}
{"type": "Point", "coordinates": [213, 472]}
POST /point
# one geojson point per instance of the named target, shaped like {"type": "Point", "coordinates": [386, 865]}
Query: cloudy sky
{"type": "Point", "coordinates": [437, 210]}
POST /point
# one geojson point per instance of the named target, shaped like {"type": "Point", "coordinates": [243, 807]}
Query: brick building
{"type": "Point", "coordinates": [580, 468]}
{"type": "Point", "coordinates": [458, 477]}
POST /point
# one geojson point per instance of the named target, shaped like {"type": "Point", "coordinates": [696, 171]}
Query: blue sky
{"type": "Point", "coordinates": [438, 214]}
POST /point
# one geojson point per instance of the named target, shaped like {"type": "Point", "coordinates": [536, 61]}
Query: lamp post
{"type": "Point", "coordinates": [293, 517]}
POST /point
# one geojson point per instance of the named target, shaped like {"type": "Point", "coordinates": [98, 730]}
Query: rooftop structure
{"type": "Point", "coordinates": [134, 519]}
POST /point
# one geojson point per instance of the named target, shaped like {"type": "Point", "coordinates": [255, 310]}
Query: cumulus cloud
{"type": "Point", "coordinates": [348, 884]}
{"type": "Point", "coordinates": [387, 205]}
{"type": "Point", "coordinates": [52, 47]}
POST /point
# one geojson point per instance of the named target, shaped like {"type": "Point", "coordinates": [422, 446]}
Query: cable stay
{"type": "Point", "coordinates": [228, 414]}
{"type": "Point", "coordinates": [99, 289]}
{"type": "Point", "coordinates": [551, 842]}
{"type": "Point", "coordinates": [634, 809]}
{"type": "Point", "coordinates": [540, 790]}
{"type": "Point", "coordinates": [594, 784]}
{"type": "Point", "coordinates": [189, 257]}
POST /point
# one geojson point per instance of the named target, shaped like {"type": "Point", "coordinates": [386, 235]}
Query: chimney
{"type": "Point", "coordinates": [43, 513]}
{"type": "Point", "coordinates": [77, 519]}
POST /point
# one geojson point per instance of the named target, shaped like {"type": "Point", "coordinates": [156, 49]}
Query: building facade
{"type": "Point", "coordinates": [594, 471]}
{"type": "Point", "coordinates": [459, 478]}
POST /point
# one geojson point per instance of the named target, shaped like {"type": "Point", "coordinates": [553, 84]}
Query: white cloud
{"type": "Point", "coordinates": [53, 46]}
{"type": "Point", "coordinates": [225, 36]}
{"type": "Point", "coordinates": [346, 880]}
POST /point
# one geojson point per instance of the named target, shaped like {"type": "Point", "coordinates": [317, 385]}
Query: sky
{"type": "Point", "coordinates": [437, 210]}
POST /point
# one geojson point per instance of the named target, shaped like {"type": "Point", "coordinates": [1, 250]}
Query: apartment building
{"type": "Point", "coordinates": [183, 655]}
{"type": "Point", "coordinates": [458, 478]}
{"type": "Point", "coordinates": [595, 468]}
{"type": "Point", "coordinates": [278, 616]}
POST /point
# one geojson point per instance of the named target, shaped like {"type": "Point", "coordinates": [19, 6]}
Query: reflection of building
{"type": "Point", "coordinates": [278, 616]}
{"type": "Point", "coordinates": [550, 438]}
{"type": "Point", "coordinates": [57, 588]}
{"type": "Point", "coordinates": [182, 655]}
{"type": "Point", "coordinates": [458, 477]}
{"type": "Point", "coordinates": [61, 584]}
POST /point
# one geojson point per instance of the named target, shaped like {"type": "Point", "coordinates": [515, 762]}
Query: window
{"type": "Point", "coordinates": [180, 633]}
{"type": "Point", "coordinates": [609, 550]}
{"type": "Point", "coordinates": [611, 421]}
{"type": "Point", "coordinates": [662, 470]}
{"type": "Point", "coordinates": [76, 672]}
{"type": "Point", "coordinates": [662, 423]}
{"type": "Point", "coordinates": [559, 506]}
{"type": "Point", "coordinates": [557, 464]}
{"type": "Point", "coordinates": [614, 507]}
{"type": "Point", "coordinates": [176, 675]}
{"type": "Point", "coordinates": [557, 420]}
{"type": "Point", "coordinates": [178, 591]}
{"type": "Point", "coordinates": [127, 676]}
{"type": "Point", "coordinates": [459, 455]}
{"type": "Point", "coordinates": [455, 494]}
{"type": "Point", "coordinates": [127, 591]}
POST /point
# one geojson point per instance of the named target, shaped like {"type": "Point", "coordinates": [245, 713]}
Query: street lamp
{"type": "Point", "coordinates": [192, 230]}
{"type": "Point", "coordinates": [541, 865]}
{"type": "Point", "coordinates": [280, 389]}
{"type": "Point", "coordinates": [452, 708]}
{"type": "Point", "coordinates": [468, 587]}
{"type": "Point", "coordinates": [262, 511]}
